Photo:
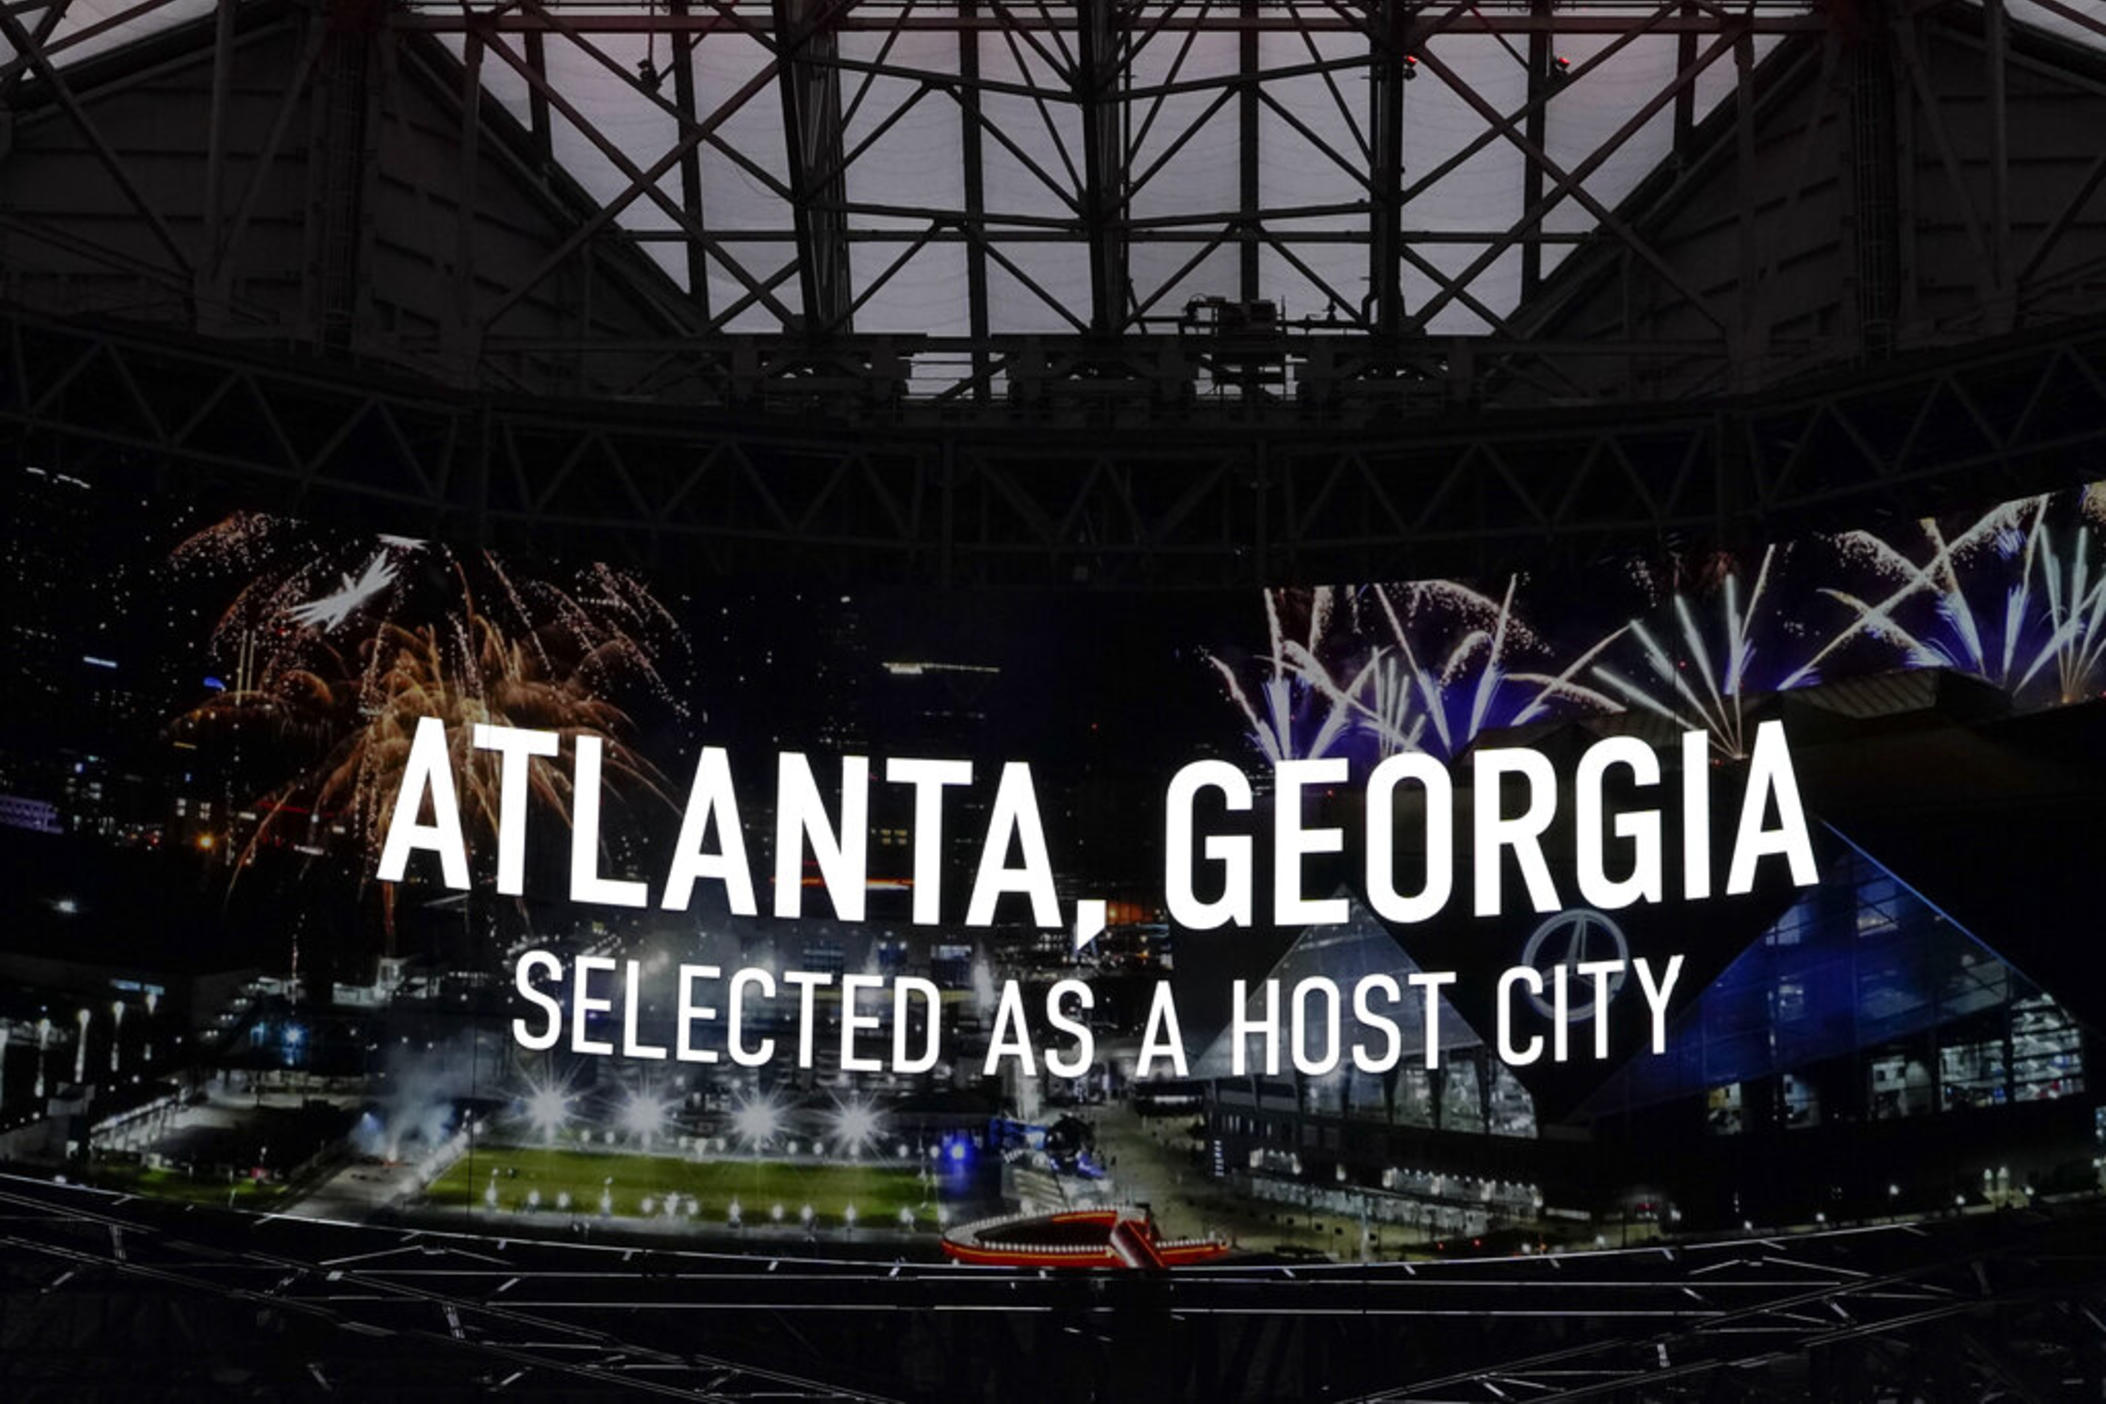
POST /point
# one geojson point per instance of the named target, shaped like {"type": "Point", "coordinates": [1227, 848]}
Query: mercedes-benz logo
{"type": "Point", "coordinates": [1568, 939]}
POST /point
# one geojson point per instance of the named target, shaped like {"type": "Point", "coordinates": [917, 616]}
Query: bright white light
{"type": "Point", "coordinates": [547, 1109]}
{"type": "Point", "coordinates": [756, 1122]}
{"type": "Point", "coordinates": [644, 1115]}
{"type": "Point", "coordinates": [334, 608]}
{"type": "Point", "coordinates": [855, 1126]}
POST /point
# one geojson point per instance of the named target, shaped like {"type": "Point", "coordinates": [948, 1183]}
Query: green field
{"type": "Point", "coordinates": [168, 1184]}
{"type": "Point", "coordinates": [878, 1192]}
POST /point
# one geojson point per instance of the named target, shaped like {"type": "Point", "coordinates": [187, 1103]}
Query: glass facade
{"type": "Point", "coordinates": [1471, 1092]}
{"type": "Point", "coordinates": [1862, 968]}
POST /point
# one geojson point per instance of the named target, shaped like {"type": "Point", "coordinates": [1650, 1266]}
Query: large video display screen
{"type": "Point", "coordinates": [391, 880]}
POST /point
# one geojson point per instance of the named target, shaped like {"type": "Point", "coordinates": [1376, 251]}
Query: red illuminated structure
{"type": "Point", "coordinates": [1077, 1238]}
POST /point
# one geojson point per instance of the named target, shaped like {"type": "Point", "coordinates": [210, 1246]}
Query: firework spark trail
{"type": "Point", "coordinates": [1273, 632]}
{"type": "Point", "coordinates": [2058, 620]}
{"type": "Point", "coordinates": [1261, 734]}
{"type": "Point", "coordinates": [1718, 707]}
{"type": "Point", "coordinates": [1501, 631]}
{"type": "Point", "coordinates": [302, 579]}
{"type": "Point", "coordinates": [1939, 577]}
{"type": "Point", "coordinates": [1428, 665]}
{"type": "Point", "coordinates": [2077, 617]}
{"type": "Point", "coordinates": [1344, 700]}
{"type": "Point", "coordinates": [1396, 729]}
{"type": "Point", "coordinates": [333, 609]}
{"type": "Point", "coordinates": [1346, 679]}
{"type": "Point", "coordinates": [1296, 677]}
{"type": "Point", "coordinates": [431, 647]}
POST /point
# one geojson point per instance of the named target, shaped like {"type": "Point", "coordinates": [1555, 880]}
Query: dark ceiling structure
{"type": "Point", "coordinates": [1168, 294]}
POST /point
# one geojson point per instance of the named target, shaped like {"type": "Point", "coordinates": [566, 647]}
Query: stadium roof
{"type": "Point", "coordinates": [925, 119]}
{"type": "Point", "coordinates": [1338, 212]}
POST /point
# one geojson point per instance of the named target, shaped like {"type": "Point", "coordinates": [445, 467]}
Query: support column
{"type": "Point", "coordinates": [975, 212]}
{"type": "Point", "coordinates": [1385, 304]}
{"type": "Point", "coordinates": [464, 331]}
{"type": "Point", "coordinates": [210, 290]}
{"type": "Point", "coordinates": [1685, 100]}
{"type": "Point", "coordinates": [344, 156]}
{"type": "Point", "coordinates": [1536, 128]}
{"type": "Point", "coordinates": [1874, 173]}
{"type": "Point", "coordinates": [1099, 70]}
{"type": "Point", "coordinates": [538, 125]}
{"type": "Point", "coordinates": [690, 161]}
{"type": "Point", "coordinates": [1249, 199]}
{"type": "Point", "coordinates": [811, 113]}
{"type": "Point", "coordinates": [1996, 50]}
{"type": "Point", "coordinates": [1745, 354]}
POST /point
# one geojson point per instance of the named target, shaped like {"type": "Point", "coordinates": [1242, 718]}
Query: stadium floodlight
{"type": "Point", "coordinates": [855, 1126]}
{"type": "Point", "coordinates": [756, 1122]}
{"type": "Point", "coordinates": [547, 1109]}
{"type": "Point", "coordinates": [644, 1115]}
